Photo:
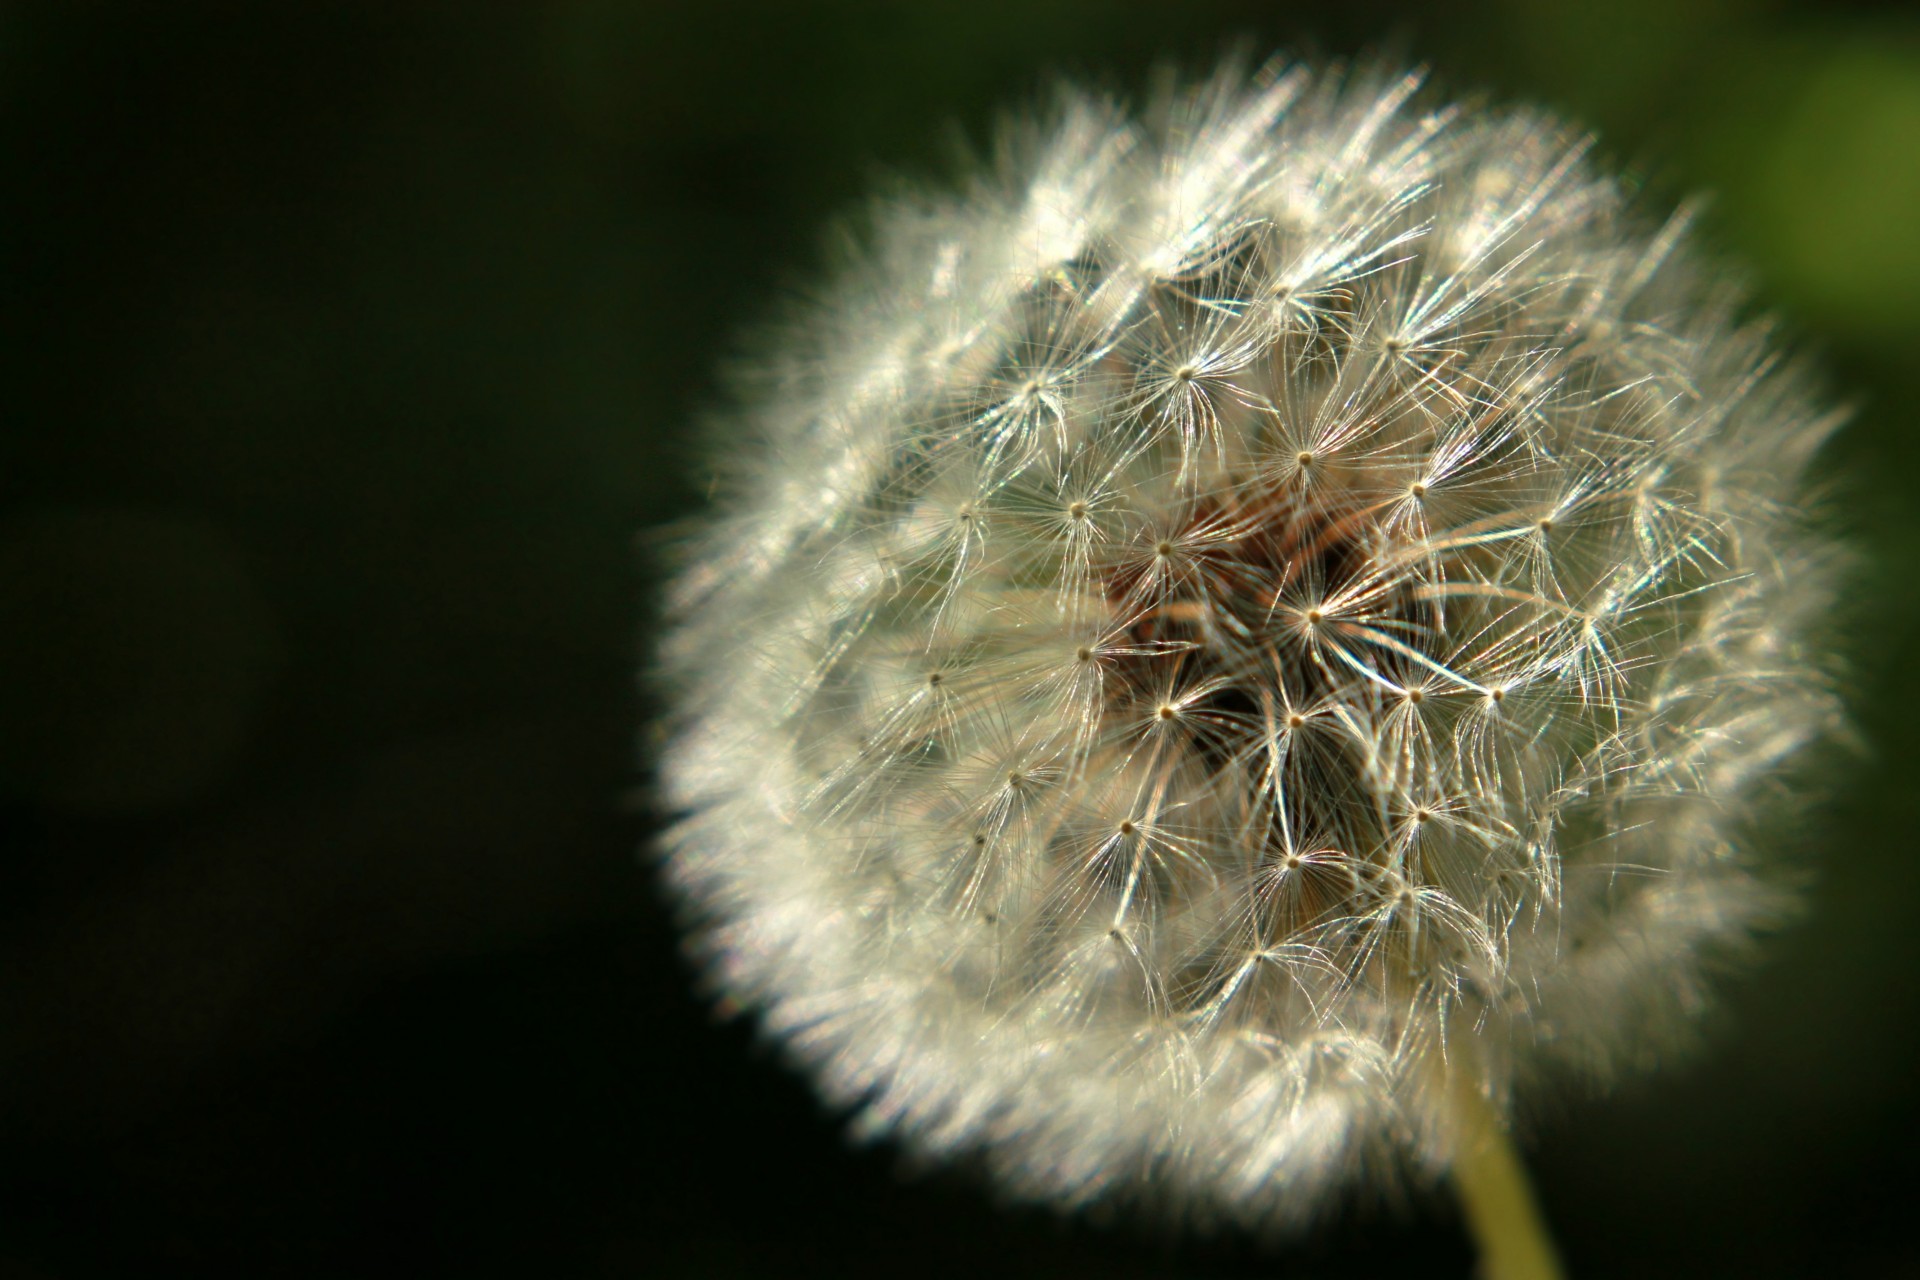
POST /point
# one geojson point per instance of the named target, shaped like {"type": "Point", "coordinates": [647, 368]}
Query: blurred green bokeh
{"type": "Point", "coordinates": [355, 357]}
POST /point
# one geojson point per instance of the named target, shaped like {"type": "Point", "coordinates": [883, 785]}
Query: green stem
{"type": "Point", "coordinates": [1494, 1192]}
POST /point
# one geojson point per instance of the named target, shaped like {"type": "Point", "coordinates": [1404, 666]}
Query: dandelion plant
{"type": "Point", "coordinates": [1240, 639]}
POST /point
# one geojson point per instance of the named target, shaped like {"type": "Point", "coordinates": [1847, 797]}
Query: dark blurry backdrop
{"type": "Point", "coordinates": [350, 353]}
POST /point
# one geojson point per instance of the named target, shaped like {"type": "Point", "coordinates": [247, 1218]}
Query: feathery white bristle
{"type": "Point", "coordinates": [1241, 601]}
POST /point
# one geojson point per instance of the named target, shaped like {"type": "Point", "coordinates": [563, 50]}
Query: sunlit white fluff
{"type": "Point", "coordinates": [1233, 608]}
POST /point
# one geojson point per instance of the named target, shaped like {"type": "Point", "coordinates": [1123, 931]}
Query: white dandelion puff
{"type": "Point", "coordinates": [1256, 623]}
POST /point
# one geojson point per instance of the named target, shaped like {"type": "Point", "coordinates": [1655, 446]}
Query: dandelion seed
{"type": "Point", "coordinates": [1240, 640]}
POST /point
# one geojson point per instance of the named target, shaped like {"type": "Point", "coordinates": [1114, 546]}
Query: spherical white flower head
{"type": "Point", "coordinates": [1232, 612]}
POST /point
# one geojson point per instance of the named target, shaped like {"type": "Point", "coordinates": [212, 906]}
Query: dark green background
{"type": "Point", "coordinates": [349, 354]}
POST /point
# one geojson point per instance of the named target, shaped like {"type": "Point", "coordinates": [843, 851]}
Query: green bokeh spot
{"type": "Point", "coordinates": [1839, 192]}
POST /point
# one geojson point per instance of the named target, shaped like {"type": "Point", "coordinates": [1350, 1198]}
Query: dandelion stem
{"type": "Point", "coordinates": [1495, 1193]}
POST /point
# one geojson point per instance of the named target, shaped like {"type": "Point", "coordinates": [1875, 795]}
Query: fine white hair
{"type": "Point", "coordinates": [1239, 605]}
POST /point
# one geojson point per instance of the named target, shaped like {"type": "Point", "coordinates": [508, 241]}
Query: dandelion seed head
{"type": "Point", "coordinates": [1242, 603]}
